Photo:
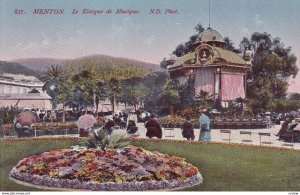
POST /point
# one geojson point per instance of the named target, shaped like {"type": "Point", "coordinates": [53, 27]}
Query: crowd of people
{"type": "Point", "coordinates": [129, 122]}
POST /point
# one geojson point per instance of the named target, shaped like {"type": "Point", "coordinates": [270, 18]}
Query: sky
{"type": "Point", "coordinates": [144, 36]}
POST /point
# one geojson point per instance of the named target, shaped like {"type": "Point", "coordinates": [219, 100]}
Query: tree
{"type": "Point", "coordinates": [154, 84]}
{"type": "Point", "coordinates": [169, 96]}
{"type": "Point", "coordinates": [50, 78]}
{"type": "Point", "coordinates": [187, 93]}
{"type": "Point", "coordinates": [295, 96]}
{"type": "Point", "coordinates": [179, 51]}
{"type": "Point", "coordinates": [246, 45]}
{"type": "Point", "coordinates": [113, 89]}
{"type": "Point", "coordinates": [89, 80]}
{"type": "Point", "coordinates": [185, 48]}
{"type": "Point", "coordinates": [83, 87]}
{"type": "Point", "coordinates": [204, 99]}
{"type": "Point", "coordinates": [229, 45]}
{"type": "Point", "coordinates": [136, 95]}
{"type": "Point", "coordinates": [199, 28]}
{"type": "Point", "coordinates": [272, 65]}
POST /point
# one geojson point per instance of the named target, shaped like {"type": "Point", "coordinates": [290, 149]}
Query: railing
{"type": "Point", "coordinates": [53, 127]}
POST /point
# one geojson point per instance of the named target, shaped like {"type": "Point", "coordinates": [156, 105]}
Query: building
{"type": "Point", "coordinates": [26, 101]}
{"type": "Point", "coordinates": [216, 70]}
{"type": "Point", "coordinates": [15, 88]}
{"type": "Point", "coordinates": [19, 84]}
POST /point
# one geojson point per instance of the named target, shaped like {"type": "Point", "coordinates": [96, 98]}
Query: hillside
{"type": "Point", "coordinates": [39, 64]}
{"type": "Point", "coordinates": [42, 64]}
{"type": "Point", "coordinates": [15, 68]}
{"type": "Point", "coordinates": [104, 59]}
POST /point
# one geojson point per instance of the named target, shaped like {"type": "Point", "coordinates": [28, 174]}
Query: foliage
{"type": "Point", "coordinates": [169, 96]}
{"type": "Point", "coordinates": [205, 100]}
{"type": "Point", "coordinates": [285, 105]}
{"type": "Point", "coordinates": [154, 83]}
{"type": "Point", "coordinates": [295, 96]}
{"type": "Point", "coordinates": [50, 79]}
{"type": "Point", "coordinates": [183, 49]}
{"type": "Point", "coordinates": [99, 138]}
{"type": "Point", "coordinates": [164, 63]}
{"type": "Point", "coordinates": [136, 94]}
{"type": "Point", "coordinates": [229, 45]}
{"type": "Point", "coordinates": [118, 140]}
{"type": "Point", "coordinates": [187, 93]}
{"type": "Point", "coordinates": [86, 81]}
{"type": "Point", "coordinates": [272, 65]}
{"type": "Point", "coordinates": [7, 114]}
{"type": "Point", "coordinates": [171, 119]}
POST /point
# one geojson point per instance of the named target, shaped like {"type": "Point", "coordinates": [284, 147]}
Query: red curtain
{"type": "Point", "coordinates": [232, 86]}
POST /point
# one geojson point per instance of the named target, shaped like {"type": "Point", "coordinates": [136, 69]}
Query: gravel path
{"type": "Point", "coordinates": [235, 136]}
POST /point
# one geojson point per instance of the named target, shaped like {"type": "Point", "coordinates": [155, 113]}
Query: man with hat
{"type": "Point", "coordinates": [204, 126]}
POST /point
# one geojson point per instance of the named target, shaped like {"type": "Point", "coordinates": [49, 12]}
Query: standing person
{"type": "Point", "coordinates": [153, 128]}
{"type": "Point", "coordinates": [132, 117]}
{"type": "Point", "coordinates": [188, 129]}
{"type": "Point", "coordinates": [41, 116]}
{"type": "Point", "coordinates": [204, 126]}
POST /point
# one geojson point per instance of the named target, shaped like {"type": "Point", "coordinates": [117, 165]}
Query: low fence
{"type": "Point", "coordinates": [39, 129]}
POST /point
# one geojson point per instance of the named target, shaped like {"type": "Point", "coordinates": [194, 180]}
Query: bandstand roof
{"type": "Point", "coordinates": [220, 55]}
{"type": "Point", "coordinates": [209, 35]}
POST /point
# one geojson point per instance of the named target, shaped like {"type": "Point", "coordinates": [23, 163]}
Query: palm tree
{"type": "Point", "coordinates": [50, 78]}
{"type": "Point", "coordinates": [52, 73]}
{"type": "Point", "coordinates": [204, 98]}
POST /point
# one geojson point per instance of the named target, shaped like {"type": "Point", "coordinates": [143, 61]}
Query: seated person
{"type": "Point", "coordinates": [132, 128]}
{"type": "Point", "coordinates": [109, 125]}
{"type": "Point", "coordinates": [153, 128]}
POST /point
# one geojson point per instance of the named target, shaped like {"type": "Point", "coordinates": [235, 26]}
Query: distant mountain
{"type": "Point", "coordinates": [99, 58]}
{"type": "Point", "coordinates": [15, 68]}
{"type": "Point", "coordinates": [42, 64]}
{"type": "Point", "coordinates": [39, 64]}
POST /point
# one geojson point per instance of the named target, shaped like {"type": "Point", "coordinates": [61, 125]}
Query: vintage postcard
{"type": "Point", "coordinates": [139, 95]}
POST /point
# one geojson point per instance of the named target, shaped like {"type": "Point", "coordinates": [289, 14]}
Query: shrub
{"type": "Point", "coordinates": [99, 138]}
{"type": "Point", "coordinates": [7, 114]}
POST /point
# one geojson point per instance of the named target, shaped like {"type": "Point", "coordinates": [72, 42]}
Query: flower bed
{"type": "Point", "coordinates": [238, 125]}
{"type": "Point", "coordinates": [130, 168]}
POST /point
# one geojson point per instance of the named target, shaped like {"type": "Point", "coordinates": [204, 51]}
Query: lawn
{"type": "Point", "coordinates": [223, 167]}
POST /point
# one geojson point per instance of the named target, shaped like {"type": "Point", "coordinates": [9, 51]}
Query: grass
{"type": "Point", "coordinates": [223, 167]}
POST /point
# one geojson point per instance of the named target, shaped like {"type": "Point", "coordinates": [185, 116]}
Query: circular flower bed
{"type": "Point", "coordinates": [130, 168]}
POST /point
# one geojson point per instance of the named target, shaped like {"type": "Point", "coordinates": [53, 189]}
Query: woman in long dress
{"type": "Point", "coordinates": [204, 121]}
